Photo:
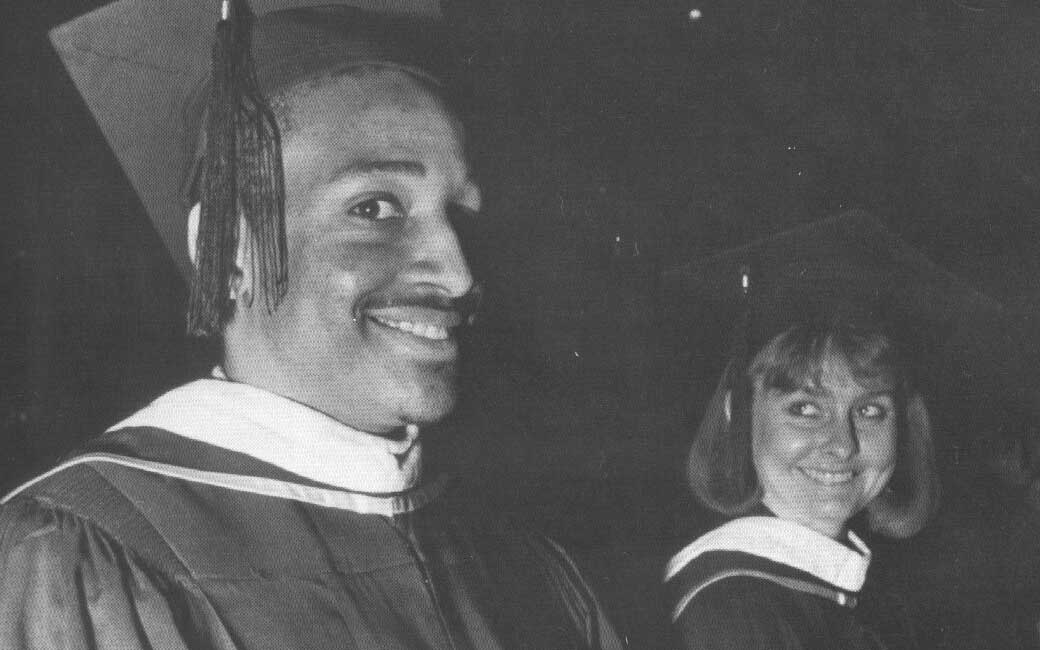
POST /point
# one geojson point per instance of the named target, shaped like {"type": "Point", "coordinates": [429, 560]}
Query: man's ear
{"type": "Point", "coordinates": [243, 257]}
{"type": "Point", "coordinates": [193, 234]}
{"type": "Point", "coordinates": [727, 406]}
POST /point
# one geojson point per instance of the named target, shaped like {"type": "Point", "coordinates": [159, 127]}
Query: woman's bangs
{"type": "Point", "coordinates": [872, 360]}
{"type": "Point", "coordinates": [798, 360]}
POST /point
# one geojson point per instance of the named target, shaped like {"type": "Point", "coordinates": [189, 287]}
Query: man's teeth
{"type": "Point", "coordinates": [432, 332]}
{"type": "Point", "coordinates": [828, 478]}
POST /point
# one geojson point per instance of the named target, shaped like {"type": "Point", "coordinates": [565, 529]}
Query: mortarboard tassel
{"type": "Point", "coordinates": [242, 175]}
{"type": "Point", "coordinates": [740, 391]}
{"type": "Point", "coordinates": [743, 333]}
{"type": "Point", "coordinates": [741, 343]}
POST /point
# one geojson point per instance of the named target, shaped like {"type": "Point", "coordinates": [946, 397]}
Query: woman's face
{"type": "Point", "coordinates": [822, 453]}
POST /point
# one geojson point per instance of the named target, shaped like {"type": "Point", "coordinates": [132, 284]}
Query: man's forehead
{"type": "Point", "coordinates": [345, 149]}
{"type": "Point", "coordinates": [358, 92]}
{"type": "Point", "coordinates": [384, 137]}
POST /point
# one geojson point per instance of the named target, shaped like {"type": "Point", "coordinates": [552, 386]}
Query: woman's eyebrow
{"type": "Point", "coordinates": [814, 390]}
{"type": "Point", "coordinates": [881, 392]}
{"type": "Point", "coordinates": [823, 391]}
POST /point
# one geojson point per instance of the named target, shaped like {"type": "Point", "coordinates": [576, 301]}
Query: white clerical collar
{"type": "Point", "coordinates": [284, 433]}
{"type": "Point", "coordinates": [787, 543]}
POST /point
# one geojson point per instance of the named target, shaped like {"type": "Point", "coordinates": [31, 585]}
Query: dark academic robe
{"type": "Point", "coordinates": [747, 596]}
{"type": "Point", "coordinates": [106, 555]}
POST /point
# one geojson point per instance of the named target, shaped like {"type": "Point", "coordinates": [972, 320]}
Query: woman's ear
{"type": "Point", "coordinates": [727, 406]}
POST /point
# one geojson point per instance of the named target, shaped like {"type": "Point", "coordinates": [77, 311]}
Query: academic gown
{"type": "Point", "coordinates": [762, 583]}
{"type": "Point", "coordinates": [151, 539]}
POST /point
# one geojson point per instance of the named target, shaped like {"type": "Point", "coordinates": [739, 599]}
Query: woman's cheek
{"type": "Point", "coordinates": [791, 442]}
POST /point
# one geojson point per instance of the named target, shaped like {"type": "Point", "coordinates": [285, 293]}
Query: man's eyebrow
{"type": "Point", "coordinates": [364, 167]}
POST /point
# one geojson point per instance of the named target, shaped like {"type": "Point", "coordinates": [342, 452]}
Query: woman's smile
{"type": "Point", "coordinates": [828, 477]}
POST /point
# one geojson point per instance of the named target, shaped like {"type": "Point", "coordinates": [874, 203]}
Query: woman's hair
{"type": "Point", "coordinates": [720, 469]}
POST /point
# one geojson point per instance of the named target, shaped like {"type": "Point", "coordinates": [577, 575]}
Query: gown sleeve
{"type": "Point", "coordinates": [66, 584]}
{"type": "Point", "coordinates": [579, 600]}
{"type": "Point", "coordinates": [736, 614]}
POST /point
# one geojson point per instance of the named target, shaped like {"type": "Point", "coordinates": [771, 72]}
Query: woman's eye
{"type": "Point", "coordinates": [804, 409]}
{"type": "Point", "coordinates": [377, 209]}
{"type": "Point", "coordinates": [873, 411]}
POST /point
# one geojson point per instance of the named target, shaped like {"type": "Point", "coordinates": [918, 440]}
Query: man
{"type": "Point", "coordinates": [281, 502]}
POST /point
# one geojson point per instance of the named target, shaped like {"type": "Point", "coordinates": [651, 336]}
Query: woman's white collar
{"type": "Point", "coordinates": [787, 543]}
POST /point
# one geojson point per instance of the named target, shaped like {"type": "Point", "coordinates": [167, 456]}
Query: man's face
{"type": "Point", "coordinates": [375, 175]}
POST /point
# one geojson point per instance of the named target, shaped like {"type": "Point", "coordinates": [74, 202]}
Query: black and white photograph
{"type": "Point", "coordinates": [510, 325]}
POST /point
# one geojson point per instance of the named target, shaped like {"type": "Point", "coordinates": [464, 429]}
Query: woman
{"type": "Point", "coordinates": [823, 424]}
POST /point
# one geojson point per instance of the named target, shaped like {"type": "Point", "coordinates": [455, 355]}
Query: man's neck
{"type": "Point", "coordinates": [256, 367]}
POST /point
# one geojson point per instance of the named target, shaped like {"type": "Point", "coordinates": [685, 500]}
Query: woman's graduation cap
{"type": "Point", "coordinates": [848, 260]}
{"type": "Point", "coordinates": [162, 83]}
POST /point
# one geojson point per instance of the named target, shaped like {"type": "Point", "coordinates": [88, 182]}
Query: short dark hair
{"type": "Point", "coordinates": [720, 469]}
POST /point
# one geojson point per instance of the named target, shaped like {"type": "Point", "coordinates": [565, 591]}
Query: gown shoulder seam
{"type": "Point", "coordinates": [110, 510]}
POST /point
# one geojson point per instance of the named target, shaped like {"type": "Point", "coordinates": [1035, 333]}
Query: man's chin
{"type": "Point", "coordinates": [429, 404]}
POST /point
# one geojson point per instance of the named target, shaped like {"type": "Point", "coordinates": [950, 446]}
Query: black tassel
{"type": "Point", "coordinates": [242, 175]}
{"type": "Point", "coordinates": [741, 473]}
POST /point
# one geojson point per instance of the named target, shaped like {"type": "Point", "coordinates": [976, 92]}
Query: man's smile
{"type": "Point", "coordinates": [422, 330]}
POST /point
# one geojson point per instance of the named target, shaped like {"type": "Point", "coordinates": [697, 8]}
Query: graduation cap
{"type": "Point", "coordinates": [847, 260]}
{"type": "Point", "coordinates": [168, 79]}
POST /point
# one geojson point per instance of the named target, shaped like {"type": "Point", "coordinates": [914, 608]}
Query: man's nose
{"type": "Point", "coordinates": [842, 440]}
{"type": "Point", "coordinates": [441, 260]}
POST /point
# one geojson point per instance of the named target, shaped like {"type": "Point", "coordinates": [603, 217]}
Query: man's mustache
{"type": "Point", "coordinates": [467, 306]}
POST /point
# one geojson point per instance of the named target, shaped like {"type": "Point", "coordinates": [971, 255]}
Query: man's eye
{"type": "Point", "coordinates": [804, 409]}
{"type": "Point", "coordinates": [377, 209]}
{"type": "Point", "coordinates": [873, 411]}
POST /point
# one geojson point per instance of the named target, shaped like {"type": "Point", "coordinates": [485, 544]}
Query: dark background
{"type": "Point", "coordinates": [616, 139]}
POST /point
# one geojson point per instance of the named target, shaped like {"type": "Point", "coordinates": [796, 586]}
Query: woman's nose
{"type": "Point", "coordinates": [842, 440]}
